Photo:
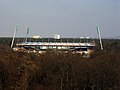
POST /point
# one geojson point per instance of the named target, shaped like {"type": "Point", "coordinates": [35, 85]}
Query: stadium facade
{"type": "Point", "coordinates": [41, 47]}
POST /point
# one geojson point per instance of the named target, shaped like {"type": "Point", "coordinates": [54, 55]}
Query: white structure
{"type": "Point", "coordinates": [37, 36]}
{"type": "Point", "coordinates": [56, 36]}
{"type": "Point", "coordinates": [99, 36]}
{"type": "Point", "coordinates": [64, 46]}
{"type": "Point", "coordinates": [16, 28]}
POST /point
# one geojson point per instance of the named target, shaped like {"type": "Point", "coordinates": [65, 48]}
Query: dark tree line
{"type": "Point", "coordinates": [59, 71]}
{"type": "Point", "coordinates": [108, 44]}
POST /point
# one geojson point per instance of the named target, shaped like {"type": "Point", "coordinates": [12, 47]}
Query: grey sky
{"type": "Point", "coordinates": [69, 18]}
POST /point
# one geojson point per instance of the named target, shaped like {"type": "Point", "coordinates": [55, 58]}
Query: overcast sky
{"type": "Point", "coordinates": [69, 18]}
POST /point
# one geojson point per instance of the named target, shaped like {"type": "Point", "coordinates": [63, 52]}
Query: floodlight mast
{"type": "Point", "coordinates": [99, 36]}
{"type": "Point", "coordinates": [27, 34]}
{"type": "Point", "coordinates": [16, 28]}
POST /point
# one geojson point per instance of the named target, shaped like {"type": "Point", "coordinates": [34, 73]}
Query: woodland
{"type": "Point", "coordinates": [61, 71]}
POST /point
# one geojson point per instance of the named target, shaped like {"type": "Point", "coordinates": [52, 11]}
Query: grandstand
{"type": "Point", "coordinates": [40, 47]}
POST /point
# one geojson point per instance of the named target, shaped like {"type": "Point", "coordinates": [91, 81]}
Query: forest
{"type": "Point", "coordinates": [60, 71]}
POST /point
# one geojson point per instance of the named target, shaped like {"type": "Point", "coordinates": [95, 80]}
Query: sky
{"type": "Point", "coordinates": [69, 18]}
